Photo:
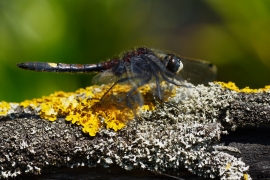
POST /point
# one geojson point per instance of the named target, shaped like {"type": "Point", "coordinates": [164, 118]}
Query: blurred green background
{"type": "Point", "coordinates": [234, 35]}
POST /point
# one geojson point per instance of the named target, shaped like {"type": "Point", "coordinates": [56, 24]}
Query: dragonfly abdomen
{"type": "Point", "coordinates": [61, 67]}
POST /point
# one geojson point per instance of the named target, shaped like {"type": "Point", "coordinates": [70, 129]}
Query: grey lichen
{"type": "Point", "coordinates": [183, 133]}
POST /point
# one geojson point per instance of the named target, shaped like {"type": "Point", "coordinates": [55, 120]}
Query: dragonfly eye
{"type": "Point", "coordinates": [173, 64]}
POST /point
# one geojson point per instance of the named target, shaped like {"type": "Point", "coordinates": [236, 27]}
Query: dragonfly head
{"type": "Point", "coordinates": [173, 63]}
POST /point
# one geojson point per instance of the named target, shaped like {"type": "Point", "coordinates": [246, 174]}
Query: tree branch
{"type": "Point", "coordinates": [209, 132]}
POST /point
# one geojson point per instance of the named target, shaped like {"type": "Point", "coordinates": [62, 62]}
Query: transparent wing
{"type": "Point", "coordinates": [198, 71]}
{"type": "Point", "coordinates": [108, 77]}
{"type": "Point", "coordinates": [104, 77]}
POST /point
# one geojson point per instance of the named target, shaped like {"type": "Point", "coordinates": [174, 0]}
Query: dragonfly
{"type": "Point", "coordinates": [138, 66]}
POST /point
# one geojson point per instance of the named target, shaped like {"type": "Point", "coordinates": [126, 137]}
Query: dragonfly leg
{"type": "Point", "coordinates": [119, 81]}
{"type": "Point", "coordinates": [128, 96]}
{"type": "Point", "coordinates": [172, 82]}
{"type": "Point", "coordinates": [158, 87]}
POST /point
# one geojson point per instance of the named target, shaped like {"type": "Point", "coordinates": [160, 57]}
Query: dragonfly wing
{"type": "Point", "coordinates": [105, 77]}
{"type": "Point", "coordinates": [108, 77]}
{"type": "Point", "coordinates": [198, 71]}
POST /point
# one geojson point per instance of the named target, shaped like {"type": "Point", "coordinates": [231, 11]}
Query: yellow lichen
{"type": "Point", "coordinates": [4, 108]}
{"type": "Point", "coordinates": [246, 176]}
{"type": "Point", "coordinates": [47, 111]}
{"type": "Point", "coordinates": [33, 103]}
{"type": "Point", "coordinates": [228, 166]}
{"type": "Point", "coordinates": [92, 110]}
{"type": "Point", "coordinates": [91, 124]}
{"type": "Point", "coordinates": [232, 86]}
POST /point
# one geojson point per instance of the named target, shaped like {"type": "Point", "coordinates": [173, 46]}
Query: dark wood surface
{"type": "Point", "coordinates": [254, 144]}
